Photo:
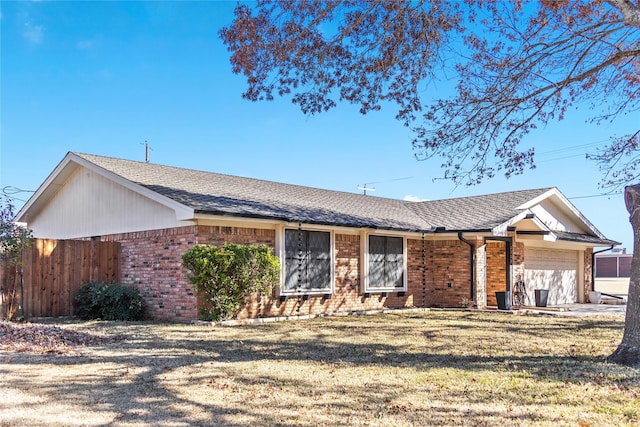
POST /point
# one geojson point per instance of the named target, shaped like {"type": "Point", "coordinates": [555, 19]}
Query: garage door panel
{"type": "Point", "coordinates": [555, 270]}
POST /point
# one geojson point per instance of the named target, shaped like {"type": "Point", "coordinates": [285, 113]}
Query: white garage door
{"type": "Point", "coordinates": [555, 270]}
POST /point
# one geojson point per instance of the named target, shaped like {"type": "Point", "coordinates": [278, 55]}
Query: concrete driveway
{"type": "Point", "coordinates": [578, 310]}
{"type": "Point", "coordinates": [593, 309]}
{"type": "Point", "coordinates": [612, 285]}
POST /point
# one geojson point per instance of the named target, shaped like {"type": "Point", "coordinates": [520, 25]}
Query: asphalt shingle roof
{"type": "Point", "coordinates": [219, 194]}
{"type": "Point", "coordinates": [476, 212]}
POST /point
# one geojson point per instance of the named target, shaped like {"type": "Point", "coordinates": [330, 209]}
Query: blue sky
{"type": "Point", "coordinates": [104, 77]}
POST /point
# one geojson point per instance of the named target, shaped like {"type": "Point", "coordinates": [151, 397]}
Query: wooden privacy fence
{"type": "Point", "coordinates": [53, 271]}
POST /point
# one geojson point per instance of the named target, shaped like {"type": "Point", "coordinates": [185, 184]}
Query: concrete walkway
{"type": "Point", "coordinates": [578, 310]}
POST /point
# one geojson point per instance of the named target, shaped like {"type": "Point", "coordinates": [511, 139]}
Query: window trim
{"type": "Point", "coordinates": [364, 240]}
{"type": "Point", "coordinates": [281, 240]}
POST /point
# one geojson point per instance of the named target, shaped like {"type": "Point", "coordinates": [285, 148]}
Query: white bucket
{"type": "Point", "coordinates": [594, 297]}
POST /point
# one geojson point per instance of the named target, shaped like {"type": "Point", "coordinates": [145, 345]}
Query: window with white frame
{"type": "Point", "coordinates": [307, 263]}
{"type": "Point", "coordinates": [385, 264]}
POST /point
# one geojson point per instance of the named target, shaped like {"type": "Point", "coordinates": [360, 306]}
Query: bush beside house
{"type": "Point", "coordinates": [109, 301]}
{"type": "Point", "coordinates": [226, 276]}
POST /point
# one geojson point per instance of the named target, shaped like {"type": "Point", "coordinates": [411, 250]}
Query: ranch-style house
{"type": "Point", "coordinates": [339, 251]}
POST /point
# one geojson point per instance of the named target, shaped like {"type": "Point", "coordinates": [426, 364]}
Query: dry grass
{"type": "Point", "coordinates": [416, 368]}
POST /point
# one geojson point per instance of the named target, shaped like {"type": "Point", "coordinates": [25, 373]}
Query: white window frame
{"type": "Point", "coordinates": [365, 263]}
{"type": "Point", "coordinates": [281, 250]}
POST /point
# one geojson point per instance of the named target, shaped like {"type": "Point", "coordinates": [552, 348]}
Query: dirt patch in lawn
{"type": "Point", "coordinates": [404, 369]}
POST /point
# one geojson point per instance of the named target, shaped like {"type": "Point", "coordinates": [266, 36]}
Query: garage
{"type": "Point", "coordinates": [552, 269]}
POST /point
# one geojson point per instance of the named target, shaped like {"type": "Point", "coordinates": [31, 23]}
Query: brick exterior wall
{"type": "Point", "coordinates": [496, 270]}
{"type": "Point", "coordinates": [417, 279]}
{"type": "Point", "coordinates": [347, 295]}
{"type": "Point", "coordinates": [588, 268]}
{"type": "Point", "coordinates": [151, 261]}
{"type": "Point", "coordinates": [438, 273]}
{"type": "Point", "coordinates": [448, 273]}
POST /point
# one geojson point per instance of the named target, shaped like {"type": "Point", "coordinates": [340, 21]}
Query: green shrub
{"type": "Point", "coordinates": [108, 301]}
{"type": "Point", "coordinates": [226, 276]}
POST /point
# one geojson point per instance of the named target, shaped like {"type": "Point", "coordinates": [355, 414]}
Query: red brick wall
{"type": "Point", "coordinates": [417, 278]}
{"type": "Point", "coordinates": [217, 235]}
{"type": "Point", "coordinates": [438, 273]}
{"type": "Point", "coordinates": [152, 262]}
{"type": "Point", "coordinates": [347, 295]}
{"type": "Point", "coordinates": [496, 270]}
{"type": "Point", "coordinates": [445, 262]}
{"type": "Point", "coordinates": [448, 273]}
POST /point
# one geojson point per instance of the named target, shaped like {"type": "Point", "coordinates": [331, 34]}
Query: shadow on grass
{"type": "Point", "coordinates": [134, 385]}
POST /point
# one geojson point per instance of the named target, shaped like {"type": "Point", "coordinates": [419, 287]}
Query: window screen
{"type": "Point", "coordinates": [386, 266]}
{"type": "Point", "coordinates": [307, 261]}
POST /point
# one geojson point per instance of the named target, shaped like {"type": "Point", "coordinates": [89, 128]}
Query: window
{"type": "Point", "coordinates": [386, 263]}
{"type": "Point", "coordinates": [307, 261]}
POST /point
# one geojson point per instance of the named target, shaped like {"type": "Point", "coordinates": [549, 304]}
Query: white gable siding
{"type": "Point", "coordinates": [556, 218]}
{"type": "Point", "coordinates": [90, 205]}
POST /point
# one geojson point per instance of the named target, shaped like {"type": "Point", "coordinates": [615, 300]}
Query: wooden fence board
{"type": "Point", "coordinates": [67, 261]}
{"type": "Point", "coordinates": [53, 272]}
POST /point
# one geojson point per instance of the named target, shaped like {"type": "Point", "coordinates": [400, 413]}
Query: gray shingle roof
{"type": "Point", "coordinates": [477, 212]}
{"type": "Point", "coordinates": [219, 194]}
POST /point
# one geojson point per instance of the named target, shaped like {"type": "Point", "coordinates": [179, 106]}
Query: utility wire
{"type": "Point", "coordinates": [596, 195]}
{"type": "Point", "coordinates": [9, 191]}
{"type": "Point", "coordinates": [553, 154]}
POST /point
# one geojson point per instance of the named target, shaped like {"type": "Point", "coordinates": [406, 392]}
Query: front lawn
{"type": "Point", "coordinates": [403, 369]}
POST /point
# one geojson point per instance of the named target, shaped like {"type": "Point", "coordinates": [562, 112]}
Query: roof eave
{"type": "Point", "coordinates": [45, 190]}
{"type": "Point", "coordinates": [310, 221]}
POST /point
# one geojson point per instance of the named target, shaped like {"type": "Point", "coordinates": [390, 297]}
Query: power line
{"type": "Point", "coordinates": [573, 147]}
{"type": "Point", "coordinates": [364, 187]}
{"type": "Point", "coordinates": [557, 154]}
{"type": "Point", "coordinates": [9, 191]}
{"type": "Point", "coordinates": [596, 195]}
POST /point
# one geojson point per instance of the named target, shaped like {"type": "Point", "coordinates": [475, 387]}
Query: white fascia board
{"type": "Point", "coordinates": [567, 205]}
{"type": "Point", "coordinates": [356, 230]}
{"type": "Point", "coordinates": [555, 244]}
{"type": "Point", "coordinates": [239, 221]}
{"type": "Point", "coordinates": [50, 185]}
{"type": "Point", "coordinates": [501, 230]}
{"type": "Point", "coordinates": [539, 199]}
{"type": "Point", "coordinates": [321, 227]}
{"type": "Point", "coordinates": [551, 237]}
